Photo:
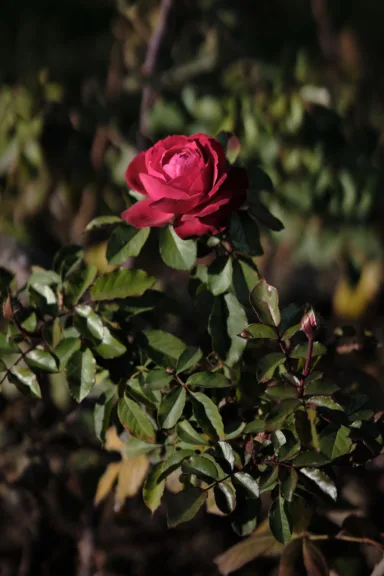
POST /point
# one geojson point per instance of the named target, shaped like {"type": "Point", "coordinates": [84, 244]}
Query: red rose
{"type": "Point", "coordinates": [187, 180]}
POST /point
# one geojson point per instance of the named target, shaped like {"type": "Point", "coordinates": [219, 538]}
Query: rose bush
{"type": "Point", "coordinates": [187, 181]}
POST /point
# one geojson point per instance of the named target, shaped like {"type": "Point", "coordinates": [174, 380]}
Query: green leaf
{"type": "Point", "coordinates": [171, 408]}
{"type": "Point", "coordinates": [3, 366]}
{"type": "Point", "coordinates": [67, 258]}
{"type": "Point", "coordinates": [291, 317]}
{"type": "Point", "coordinates": [188, 359]}
{"type": "Point", "coordinates": [110, 347]}
{"type": "Point", "coordinates": [220, 275]}
{"type": "Point", "coordinates": [137, 391]}
{"type": "Point", "coordinates": [280, 413]}
{"type": "Point", "coordinates": [280, 521]}
{"type": "Point", "coordinates": [188, 434]}
{"type": "Point", "coordinates": [235, 321]}
{"type": "Point", "coordinates": [158, 379]}
{"type": "Point", "coordinates": [7, 347]}
{"type": "Point", "coordinates": [30, 322]}
{"type": "Point", "coordinates": [247, 512]}
{"type": "Point", "coordinates": [320, 387]}
{"type": "Point", "coordinates": [173, 462]}
{"type": "Point", "coordinates": [259, 212]}
{"type": "Point", "coordinates": [163, 348]}
{"type": "Point", "coordinates": [311, 458]}
{"type": "Point", "coordinates": [245, 234]}
{"type": "Point", "coordinates": [25, 381]}
{"type": "Point", "coordinates": [255, 426]}
{"type": "Point", "coordinates": [248, 483]}
{"type": "Point", "coordinates": [278, 440]}
{"type": "Point", "coordinates": [65, 349]}
{"type": "Point", "coordinates": [225, 497]}
{"type": "Point", "coordinates": [234, 429]}
{"type": "Point", "coordinates": [153, 490]}
{"type": "Point", "coordinates": [281, 391]}
{"type": "Point", "coordinates": [134, 447]}
{"type": "Point", "coordinates": [312, 418]}
{"type": "Point", "coordinates": [324, 402]}
{"type": "Point", "coordinates": [102, 221]}
{"type": "Point", "coordinates": [321, 480]}
{"type": "Point", "coordinates": [78, 283]}
{"type": "Point", "coordinates": [335, 442]}
{"type": "Point", "coordinates": [288, 483]}
{"type": "Point", "coordinates": [202, 467]}
{"type": "Point", "coordinates": [268, 364]}
{"type": "Point", "coordinates": [291, 447]}
{"type": "Point", "coordinates": [217, 328]}
{"type": "Point", "coordinates": [88, 322]}
{"type": "Point", "coordinates": [259, 331]}
{"type": "Point", "coordinates": [207, 415]}
{"type": "Point", "coordinates": [81, 374]}
{"type": "Point", "coordinates": [135, 420]}
{"type": "Point", "coordinates": [175, 252]}
{"type": "Point", "coordinates": [125, 242]}
{"type": "Point", "coordinates": [43, 277]}
{"type": "Point", "coordinates": [301, 350]}
{"type": "Point", "coordinates": [121, 283]}
{"type": "Point", "coordinates": [42, 295]}
{"type": "Point", "coordinates": [268, 480]}
{"type": "Point", "coordinates": [102, 415]}
{"type": "Point", "coordinates": [208, 380]}
{"type": "Point", "coordinates": [41, 360]}
{"type": "Point", "coordinates": [260, 181]}
{"type": "Point", "coordinates": [184, 506]}
{"type": "Point", "coordinates": [265, 301]}
{"type": "Point", "coordinates": [227, 453]}
{"type": "Point", "coordinates": [244, 279]}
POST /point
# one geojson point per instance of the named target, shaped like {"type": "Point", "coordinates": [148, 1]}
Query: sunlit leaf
{"type": "Point", "coordinates": [265, 301]}
{"type": "Point", "coordinates": [175, 252]}
{"type": "Point", "coordinates": [171, 407]}
{"type": "Point", "coordinates": [81, 374]}
{"type": "Point", "coordinates": [280, 520]}
{"type": "Point", "coordinates": [121, 283]}
{"type": "Point", "coordinates": [135, 420]}
{"type": "Point", "coordinates": [207, 416]}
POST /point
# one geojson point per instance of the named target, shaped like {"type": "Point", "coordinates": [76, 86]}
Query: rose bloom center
{"type": "Point", "coordinates": [180, 163]}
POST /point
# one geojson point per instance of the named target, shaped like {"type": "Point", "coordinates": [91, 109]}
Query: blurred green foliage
{"type": "Point", "coordinates": [71, 110]}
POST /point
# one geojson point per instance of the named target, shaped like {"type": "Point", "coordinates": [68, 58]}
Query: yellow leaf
{"type": "Point", "coordinates": [106, 482]}
{"type": "Point", "coordinates": [212, 506]}
{"type": "Point", "coordinates": [314, 561]}
{"type": "Point", "coordinates": [113, 442]}
{"type": "Point", "coordinates": [131, 476]}
{"type": "Point", "coordinates": [259, 543]}
{"type": "Point", "coordinates": [352, 301]}
{"type": "Point", "coordinates": [173, 483]}
{"type": "Point", "coordinates": [96, 256]}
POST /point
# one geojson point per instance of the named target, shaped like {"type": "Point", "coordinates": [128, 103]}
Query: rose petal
{"type": "Point", "coordinates": [206, 200]}
{"type": "Point", "coordinates": [177, 206]}
{"type": "Point", "coordinates": [213, 152]}
{"type": "Point", "coordinates": [157, 189]}
{"type": "Point", "coordinates": [155, 154]}
{"type": "Point", "coordinates": [192, 227]}
{"type": "Point", "coordinates": [143, 214]}
{"type": "Point", "coordinates": [135, 168]}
